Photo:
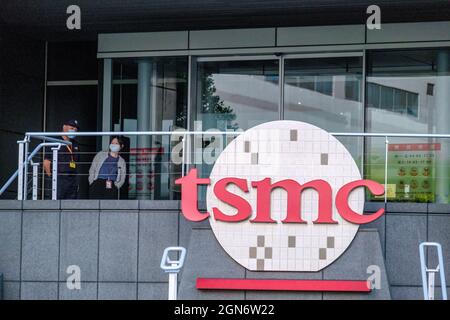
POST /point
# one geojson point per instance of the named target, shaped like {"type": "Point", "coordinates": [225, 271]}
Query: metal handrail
{"type": "Point", "coordinates": [29, 158]}
{"type": "Point", "coordinates": [129, 133]}
{"type": "Point", "coordinates": [49, 136]}
{"type": "Point", "coordinates": [181, 132]}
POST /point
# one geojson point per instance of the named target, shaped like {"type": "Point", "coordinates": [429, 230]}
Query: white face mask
{"type": "Point", "coordinates": [71, 130]}
{"type": "Point", "coordinates": [114, 147]}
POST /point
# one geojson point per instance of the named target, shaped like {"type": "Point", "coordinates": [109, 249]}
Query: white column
{"type": "Point", "coordinates": [143, 119]}
{"type": "Point", "coordinates": [442, 116]}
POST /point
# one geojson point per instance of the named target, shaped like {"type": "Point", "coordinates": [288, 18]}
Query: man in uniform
{"type": "Point", "coordinates": [68, 157]}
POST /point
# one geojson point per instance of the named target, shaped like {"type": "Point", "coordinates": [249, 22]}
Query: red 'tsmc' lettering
{"type": "Point", "coordinates": [189, 196]}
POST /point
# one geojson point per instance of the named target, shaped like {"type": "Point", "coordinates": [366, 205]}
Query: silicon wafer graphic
{"type": "Point", "coordinates": [285, 150]}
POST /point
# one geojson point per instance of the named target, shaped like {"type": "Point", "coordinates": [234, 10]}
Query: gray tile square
{"type": "Point", "coordinates": [10, 205]}
{"type": "Point", "coordinates": [42, 205]}
{"type": "Point", "coordinates": [406, 207]}
{"type": "Point", "coordinates": [252, 252]}
{"type": "Point", "coordinates": [152, 291]}
{"type": "Point", "coordinates": [405, 232]}
{"type": "Point", "coordinates": [80, 205]}
{"type": "Point", "coordinates": [254, 158]}
{"type": "Point", "coordinates": [373, 206]}
{"type": "Point", "coordinates": [330, 242]}
{"type": "Point", "coordinates": [439, 231]}
{"type": "Point", "coordinates": [293, 135]}
{"type": "Point", "coordinates": [206, 259]}
{"type": "Point", "coordinates": [79, 243]}
{"type": "Point", "coordinates": [268, 253]}
{"type": "Point", "coordinates": [172, 205]}
{"type": "Point", "coordinates": [247, 146]}
{"type": "Point", "coordinates": [324, 159]}
{"type": "Point", "coordinates": [117, 291]}
{"type": "Point", "coordinates": [364, 252]}
{"type": "Point", "coordinates": [322, 253]}
{"type": "Point", "coordinates": [260, 264]}
{"type": "Point", "coordinates": [186, 228]}
{"type": "Point", "coordinates": [40, 245]}
{"type": "Point", "coordinates": [291, 241]}
{"type": "Point", "coordinates": [157, 231]}
{"type": "Point", "coordinates": [10, 234]}
{"type": "Point", "coordinates": [87, 291]}
{"type": "Point", "coordinates": [407, 293]}
{"type": "Point", "coordinates": [119, 204]}
{"type": "Point", "coordinates": [11, 290]}
{"type": "Point", "coordinates": [279, 295]}
{"type": "Point", "coordinates": [439, 208]}
{"type": "Point", "coordinates": [39, 291]}
{"type": "Point", "coordinates": [348, 296]}
{"type": "Point", "coordinates": [260, 241]}
{"type": "Point", "coordinates": [118, 246]}
{"type": "Point", "coordinates": [380, 226]}
{"type": "Point", "coordinates": [283, 275]}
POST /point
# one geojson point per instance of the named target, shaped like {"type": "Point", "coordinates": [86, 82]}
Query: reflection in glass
{"type": "Point", "coordinates": [150, 95]}
{"type": "Point", "coordinates": [326, 92]}
{"type": "Point", "coordinates": [408, 92]}
{"type": "Point", "coordinates": [233, 95]}
{"type": "Point", "coordinates": [236, 94]}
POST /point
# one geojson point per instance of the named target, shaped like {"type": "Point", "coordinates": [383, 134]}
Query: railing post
{"type": "Point", "coordinates": [172, 267]}
{"type": "Point", "coordinates": [386, 141]}
{"type": "Point", "coordinates": [55, 172]}
{"type": "Point", "coordinates": [429, 274]}
{"type": "Point", "coordinates": [35, 180]}
{"type": "Point", "coordinates": [183, 157]}
{"type": "Point", "coordinates": [20, 169]}
{"type": "Point", "coordinates": [25, 169]}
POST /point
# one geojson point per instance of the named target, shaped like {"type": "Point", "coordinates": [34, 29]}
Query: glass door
{"type": "Point", "coordinates": [150, 94]}
{"type": "Point", "coordinates": [232, 94]}
{"type": "Point", "coordinates": [236, 94]}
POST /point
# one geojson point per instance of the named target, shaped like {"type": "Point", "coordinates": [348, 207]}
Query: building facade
{"type": "Point", "coordinates": [339, 75]}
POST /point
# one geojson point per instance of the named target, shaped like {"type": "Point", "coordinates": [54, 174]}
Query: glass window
{"type": "Point", "coordinates": [415, 90]}
{"type": "Point", "coordinates": [324, 92]}
{"type": "Point", "coordinates": [233, 95]}
{"type": "Point", "coordinates": [150, 94]}
{"type": "Point", "coordinates": [353, 88]}
{"type": "Point", "coordinates": [331, 99]}
{"type": "Point", "coordinates": [386, 98]}
{"type": "Point", "coordinates": [236, 94]}
{"type": "Point", "coordinates": [399, 101]}
{"type": "Point", "coordinates": [324, 84]}
{"type": "Point", "coordinates": [412, 104]}
{"type": "Point", "coordinates": [373, 95]}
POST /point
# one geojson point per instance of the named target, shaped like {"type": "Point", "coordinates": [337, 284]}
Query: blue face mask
{"type": "Point", "coordinates": [114, 147]}
{"type": "Point", "coordinates": [71, 137]}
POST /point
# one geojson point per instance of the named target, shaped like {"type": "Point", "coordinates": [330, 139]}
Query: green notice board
{"type": "Point", "coordinates": [411, 171]}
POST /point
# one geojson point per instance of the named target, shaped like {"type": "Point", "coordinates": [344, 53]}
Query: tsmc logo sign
{"type": "Point", "coordinates": [282, 196]}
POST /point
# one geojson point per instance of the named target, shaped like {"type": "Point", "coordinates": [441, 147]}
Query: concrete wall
{"type": "Point", "coordinates": [118, 246]}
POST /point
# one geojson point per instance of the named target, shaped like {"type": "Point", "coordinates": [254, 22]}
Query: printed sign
{"type": "Point", "coordinates": [411, 170]}
{"type": "Point", "coordinates": [283, 196]}
{"type": "Point", "coordinates": [142, 171]}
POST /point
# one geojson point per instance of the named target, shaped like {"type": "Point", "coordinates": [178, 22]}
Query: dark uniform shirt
{"type": "Point", "coordinates": [66, 155]}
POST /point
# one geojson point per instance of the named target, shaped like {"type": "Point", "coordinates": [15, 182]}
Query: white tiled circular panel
{"type": "Point", "coordinates": [285, 150]}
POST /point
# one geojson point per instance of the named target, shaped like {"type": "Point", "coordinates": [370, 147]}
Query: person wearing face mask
{"type": "Point", "coordinates": [68, 158]}
{"type": "Point", "coordinates": [108, 171]}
